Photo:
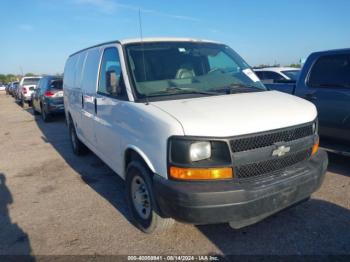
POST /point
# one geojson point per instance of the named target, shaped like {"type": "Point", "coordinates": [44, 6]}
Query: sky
{"type": "Point", "coordinates": [37, 36]}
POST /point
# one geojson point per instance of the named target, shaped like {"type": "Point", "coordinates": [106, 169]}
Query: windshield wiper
{"type": "Point", "coordinates": [239, 88]}
{"type": "Point", "coordinates": [178, 91]}
{"type": "Point", "coordinates": [194, 91]}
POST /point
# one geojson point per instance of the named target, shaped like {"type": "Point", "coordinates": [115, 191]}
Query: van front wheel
{"type": "Point", "coordinates": [141, 202]}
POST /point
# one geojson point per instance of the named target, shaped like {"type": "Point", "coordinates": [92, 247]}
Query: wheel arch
{"type": "Point", "coordinates": [133, 152]}
{"type": "Point", "coordinates": [69, 118]}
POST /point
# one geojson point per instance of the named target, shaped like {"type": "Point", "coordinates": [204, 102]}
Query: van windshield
{"type": "Point", "coordinates": [177, 68]}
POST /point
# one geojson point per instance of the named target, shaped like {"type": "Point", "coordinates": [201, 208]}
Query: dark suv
{"type": "Point", "coordinates": [48, 97]}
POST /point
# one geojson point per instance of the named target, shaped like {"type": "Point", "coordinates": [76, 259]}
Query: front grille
{"type": "Point", "coordinates": [272, 165]}
{"type": "Point", "coordinates": [270, 138]}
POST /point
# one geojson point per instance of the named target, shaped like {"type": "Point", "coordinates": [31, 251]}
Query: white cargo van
{"type": "Point", "coordinates": [192, 130]}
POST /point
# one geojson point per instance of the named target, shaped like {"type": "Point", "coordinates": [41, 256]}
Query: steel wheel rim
{"type": "Point", "coordinates": [140, 197]}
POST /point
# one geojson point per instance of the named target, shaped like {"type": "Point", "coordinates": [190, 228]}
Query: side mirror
{"type": "Point", "coordinates": [112, 82]}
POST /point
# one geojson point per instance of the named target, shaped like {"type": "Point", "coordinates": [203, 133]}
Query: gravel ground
{"type": "Point", "coordinates": [55, 203]}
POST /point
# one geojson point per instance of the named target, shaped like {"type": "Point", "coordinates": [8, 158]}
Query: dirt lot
{"type": "Point", "coordinates": [52, 202]}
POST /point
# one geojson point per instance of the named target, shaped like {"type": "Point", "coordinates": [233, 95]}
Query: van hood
{"type": "Point", "coordinates": [238, 114]}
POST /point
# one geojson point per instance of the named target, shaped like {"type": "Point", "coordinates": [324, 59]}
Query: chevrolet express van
{"type": "Point", "coordinates": [192, 131]}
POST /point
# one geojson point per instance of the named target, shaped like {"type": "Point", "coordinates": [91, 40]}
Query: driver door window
{"type": "Point", "coordinates": [110, 67]}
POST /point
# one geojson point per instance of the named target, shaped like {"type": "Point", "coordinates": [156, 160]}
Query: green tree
{"type": "Point", "coordinates": [2, 78]}
{"type": "Point", "coordinates": [8, 78]}
{"type": "Point", "coordinates": [29, 74]}
{"type": "Point", "coordinates": [295, 65]}
{"type": "Point", "coordinates": [261, 66]}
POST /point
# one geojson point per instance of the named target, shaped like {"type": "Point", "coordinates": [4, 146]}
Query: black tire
{"type": "Point", "coordinates": [21, 102]}
{"type": "Point", "coordinates": [34, 111]}
{"type": "Point", "coordinates": [150, 221]}
{"type": "Point", "coordinates": [44, 115]}
{"type": "Point", "coordinates": [78, 147]}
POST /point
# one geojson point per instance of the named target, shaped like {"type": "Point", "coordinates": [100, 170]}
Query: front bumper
{"type": "Point", "coordinates": [243, 203]}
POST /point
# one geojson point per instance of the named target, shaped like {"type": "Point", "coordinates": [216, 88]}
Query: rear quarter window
{"type": "Point", "coordinates": [79, 69]}
{"type": "Point", "coordinates": [56, 84]}
{"type": "Point", "coordinates": [90, 72]}
{"type": "Point", "coordinates": [69, 72]}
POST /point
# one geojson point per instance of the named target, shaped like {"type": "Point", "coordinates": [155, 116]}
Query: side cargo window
{"type": "Point", "coordinates": [111, 79]}
{"type": "Point", "coordinates": [69, 72]}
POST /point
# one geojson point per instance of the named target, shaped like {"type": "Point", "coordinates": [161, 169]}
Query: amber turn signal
{"type": "Point", "coordinates": [315, 147]}
{"type": "Point", "coordinates": [200, 173]}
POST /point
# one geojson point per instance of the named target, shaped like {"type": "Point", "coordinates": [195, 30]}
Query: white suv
{"type": "Point", "coordinates": [26, 89]}
{"type": "Point", "coordinates": [278, 74]}
{"type": "Point", "coordinates": [192, 130]}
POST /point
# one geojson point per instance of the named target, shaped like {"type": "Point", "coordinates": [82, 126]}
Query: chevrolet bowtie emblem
{"type": "Point", "coordinates": [281, 151]}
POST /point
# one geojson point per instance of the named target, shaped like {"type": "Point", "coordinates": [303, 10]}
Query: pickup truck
{"type": "Point", "coordinates": [325, 81]}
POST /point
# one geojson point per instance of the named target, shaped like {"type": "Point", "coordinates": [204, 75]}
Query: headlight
{"type": "Point", "coordinates": [199, 159]}
{"type": "Point", "coordinates": [200, 151]}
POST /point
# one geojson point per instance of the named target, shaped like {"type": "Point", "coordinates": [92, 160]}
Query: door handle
{"type": "Point", "coordinates": [310, 97]}
{"type": "Point", "coordinates": [95, 103]}
{"type": "Point", "coordinates": [82, 101]}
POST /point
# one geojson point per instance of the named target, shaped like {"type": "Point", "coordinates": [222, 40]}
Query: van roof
{"type": "Point", "coordinates": [150, 39]}
{"type": "Point", "coordinates": [164, 39]}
